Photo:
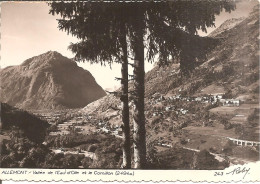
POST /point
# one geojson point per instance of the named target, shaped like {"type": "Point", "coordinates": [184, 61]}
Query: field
{"type": "Point", "coordinates": [217, 130]}
{"type": "Point", "coordinates": [244, 109]}
{"type": "Point", "coordinates": [215, 140]}
{"type": "Point", "coordinates": [222, 110]}
{"type": "Point", "coordinates": [239, 119]}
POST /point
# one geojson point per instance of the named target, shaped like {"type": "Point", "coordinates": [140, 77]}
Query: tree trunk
{"type": "Point", "coordinates": [125, 108]}
{"type": "Point", "coordinates": [138, 114]}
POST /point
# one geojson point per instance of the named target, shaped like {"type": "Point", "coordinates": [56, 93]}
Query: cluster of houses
{"type": "Point", "coordinates": [171, 108]}
{"type": "Point", "coordinates": [230, 102]}
{"type": "Point", "coordinates": [49, 117]}
{"type": "Point", "coordinates": [77, 152]}
{"type": "Point", "coordinates": [168, 145]}
{"type": "Point", "coordinates": [210, 98]}
{"type": "Point", "coordinates": [164, 143]}
{"type": "Point", "coordinates": [66, 127]}
{"type": "Point", "coordinates": [106, 127]}
{"type": "Point", "coordinates": [78, 123]}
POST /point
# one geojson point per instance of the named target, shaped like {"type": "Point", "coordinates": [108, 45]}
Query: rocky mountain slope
{"type": "Point", "coordinates": [48, 81]}
{"type": "Point", "coordinates": [227, 25]}
{"type": "Point", "coordinates": [233, 66]}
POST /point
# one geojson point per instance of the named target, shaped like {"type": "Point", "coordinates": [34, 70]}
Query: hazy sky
{"type": "Point", "coordinates": [28, 30]}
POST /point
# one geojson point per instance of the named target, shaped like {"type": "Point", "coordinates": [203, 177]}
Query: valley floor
{"type": "Point", "coordinates": [188, 131]}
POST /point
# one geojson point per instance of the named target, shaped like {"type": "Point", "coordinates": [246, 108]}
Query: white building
{"type": "Point", "coordinates": [231, 102]}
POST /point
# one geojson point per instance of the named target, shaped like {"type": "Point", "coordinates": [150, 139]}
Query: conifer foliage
{"type": "Point", "coordinates": [164, 28]}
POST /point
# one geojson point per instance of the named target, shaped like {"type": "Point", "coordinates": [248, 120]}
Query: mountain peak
{"type": "Point", "coordinates": [47, 59]}
{"type": "Point", "coordinates": [52, 54]}
{"type": "Point", "coordinates": [48, 81]}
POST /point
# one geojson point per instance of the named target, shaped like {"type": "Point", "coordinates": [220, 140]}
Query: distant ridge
{"type": "Point", "coordinates": [227, 25]}
{"type": "Point", "coordinates": [48, 81]}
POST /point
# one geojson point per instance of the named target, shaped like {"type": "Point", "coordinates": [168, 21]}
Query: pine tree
{"type": "Point", "coordinates": [103, 39]}
{"type": "Point", "coordinates": [165, 28]}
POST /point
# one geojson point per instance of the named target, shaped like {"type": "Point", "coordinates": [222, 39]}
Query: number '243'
{"type": "Point", "coordinates": [219, 174]}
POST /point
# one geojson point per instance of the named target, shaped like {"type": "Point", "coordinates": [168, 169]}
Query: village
{"type": "Point", "coordinates": [77, 122]}
{"type": "Point", "coordinates": [159, 107]}
{"type": "Point", "coordinates": [209, 98]}
{"type": "Point", "coordinates": [234, 111]}
{"type": "Point", "coordinates": [89, 124]}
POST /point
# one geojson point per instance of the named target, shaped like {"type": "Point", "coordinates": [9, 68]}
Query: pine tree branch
{"type": "Point", "coordinates": [117, 78]}
{"type": "Point", "coordinates": [132, 65]}
{"type": "Point", "coordinates": [113, 92]}
{"type": "Point", "coordinates": [114, 108]}
{"type": "Point", "coordinates": [130, 58]}
{"type": "Point", "coordinates": [132, 93]}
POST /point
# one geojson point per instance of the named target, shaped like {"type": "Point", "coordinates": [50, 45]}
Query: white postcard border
{"type": "Point", "coordinates": [244, 173]}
